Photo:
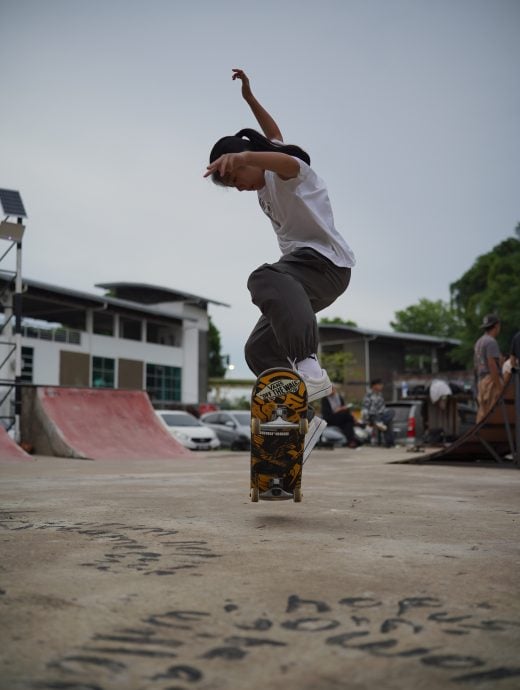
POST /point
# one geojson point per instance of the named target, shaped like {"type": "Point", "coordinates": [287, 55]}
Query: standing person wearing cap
{"type": "Point", "coordinates": [487, 366]}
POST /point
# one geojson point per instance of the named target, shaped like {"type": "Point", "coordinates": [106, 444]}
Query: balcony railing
{"type": "Point", "coordinates": [58, 335]}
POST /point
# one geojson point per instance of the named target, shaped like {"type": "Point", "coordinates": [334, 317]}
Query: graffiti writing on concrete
{"type": "Point", "coordinates": [186, 650]}
{"type": "Point", "coordinates": [174, 648]}
{"type": "Point", "coordinates": [127, 547]}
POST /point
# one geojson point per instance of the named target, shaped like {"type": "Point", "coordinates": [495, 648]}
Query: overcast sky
{"type": "Point", "coordinates": [410, 110]}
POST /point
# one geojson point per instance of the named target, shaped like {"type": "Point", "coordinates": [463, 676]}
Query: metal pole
{"type": "Point", "coordinates": [516, 376]}
{"type": "Point", "coordinates": [367, 362]}
{"type": "Point", "coordinates": [17, 306]}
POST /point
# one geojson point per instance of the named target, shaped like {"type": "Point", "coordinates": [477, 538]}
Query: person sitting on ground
{"type": "Point", "coordinates": [335, 413]}
{"type": "Point", "coordinates": [374, 411]}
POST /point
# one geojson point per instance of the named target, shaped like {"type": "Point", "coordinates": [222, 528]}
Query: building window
{"type": "Point", "coordinates": [103, 323]}
{"type": "Point", "coordinates": [163, 334]}
{"type": "Point", "coordinates": [163, 384]}
{"type": "Point", "coordinates": [27, 364]}
{"type": "Point", "coordinates": [103, 372]}
{"type": "Point", "coordinates": [130, 329]}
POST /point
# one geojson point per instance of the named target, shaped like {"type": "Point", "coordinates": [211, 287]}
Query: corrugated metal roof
{"type": "Point", "coordinates": [144, 293]}
{"type": "Point", "coordinates": [115, 302]}
{"type": "Point", "coordinates": [369, 333]}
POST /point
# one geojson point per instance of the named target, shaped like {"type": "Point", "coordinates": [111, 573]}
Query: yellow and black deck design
{"type": "Point", "coordinates": [278, 428]}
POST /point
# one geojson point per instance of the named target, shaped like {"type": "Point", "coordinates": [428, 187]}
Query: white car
{"type": "Point", "coordinates": [188, 430]}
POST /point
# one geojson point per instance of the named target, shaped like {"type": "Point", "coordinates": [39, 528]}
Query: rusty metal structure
{"type": "Point", "coordinates": [496, 439]}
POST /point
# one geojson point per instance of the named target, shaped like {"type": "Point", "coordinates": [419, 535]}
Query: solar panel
{"type": "Point", "coordinates": [12, 203]}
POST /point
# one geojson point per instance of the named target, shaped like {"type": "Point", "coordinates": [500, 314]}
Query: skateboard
{"type": "Point", "coordinates": [278, 427]}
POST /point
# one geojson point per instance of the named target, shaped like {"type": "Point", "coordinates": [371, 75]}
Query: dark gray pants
{"type": "Point", "coordinates": [289, 293]}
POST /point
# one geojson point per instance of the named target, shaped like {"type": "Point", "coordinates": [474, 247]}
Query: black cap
{"type": "Point", "coordinates": [489, 321]}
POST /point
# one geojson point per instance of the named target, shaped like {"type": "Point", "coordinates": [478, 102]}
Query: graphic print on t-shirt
{"type": "Point", "coordinates": [267, 209]}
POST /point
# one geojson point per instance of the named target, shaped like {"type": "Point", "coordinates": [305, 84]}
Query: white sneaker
{"type": "Point", "coordinates": [317, 426]}
{"type": "Point", "coordinates": [317, 388]}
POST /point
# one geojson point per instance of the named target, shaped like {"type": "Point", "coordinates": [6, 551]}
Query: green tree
{"type": "Point", "coordinates": [337, 321]}
{"type": "Point", "coordinates": [337, 364]}
{"type": "Point", "coordinates": [491, 285]}
{"type": "Point", "coordinates": [429, 317]}
{"type": "Point", "coordinates": [216, 366]}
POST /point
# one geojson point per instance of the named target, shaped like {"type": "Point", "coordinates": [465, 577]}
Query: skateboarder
{"type": "Point", "coordinates": [316, 261]}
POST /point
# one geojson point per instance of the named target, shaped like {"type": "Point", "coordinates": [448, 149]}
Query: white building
{"type": "Point", "coordinates": [134, 336]}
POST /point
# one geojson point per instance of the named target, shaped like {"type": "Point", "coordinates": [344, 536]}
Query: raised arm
{"type": "Point", "coordinates": [266, 122]}
{"type": "Point", "coordinates": [284, 165]}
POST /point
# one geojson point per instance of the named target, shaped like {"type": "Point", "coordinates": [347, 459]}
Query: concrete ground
{"type": "Point", "coordinates": [163, 576]}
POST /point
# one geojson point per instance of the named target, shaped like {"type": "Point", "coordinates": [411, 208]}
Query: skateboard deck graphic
{"type": "Point", "coordinates": [278, 427]}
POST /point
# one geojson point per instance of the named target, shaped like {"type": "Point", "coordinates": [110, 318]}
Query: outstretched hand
{"type": "Point", "coordinates": [240, 74]}
{"type": "Point", "coordinates": [225, 164]}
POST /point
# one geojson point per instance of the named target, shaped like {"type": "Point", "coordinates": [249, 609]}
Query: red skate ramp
{"type": "Point", "coordinates": [495, 439]}
{"type": "Point", "coordinates": [96, 424]}
{"type": "Point", "coordinates": [9, 450]}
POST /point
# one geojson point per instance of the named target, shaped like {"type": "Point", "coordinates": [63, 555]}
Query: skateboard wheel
{"type": "Point", "coordinates": [304, 425]}
{"type": "Point", "coordinates": [297, 495]}
{"type": "Point", "coordinates": [255, 426]}
{"type": "Point", "coordinates": [254, 494]}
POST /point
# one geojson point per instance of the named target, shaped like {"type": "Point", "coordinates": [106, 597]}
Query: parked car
{"type": "Point", "coordinates": [188, 430]}
{"type": "Point", "coordinates": [233, 427]}
{"type": "Point", "coordinates": [408, 421]}
{"type": "Point", "coordinates": [332, 437]}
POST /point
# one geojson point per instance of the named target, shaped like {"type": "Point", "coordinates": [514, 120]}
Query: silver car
{"type": "Point", "coordinates": [233, 427]}
{"type": "Point", "coordinates": [408, 421]}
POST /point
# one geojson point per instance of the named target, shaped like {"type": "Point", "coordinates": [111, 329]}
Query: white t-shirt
{"type": "Point", "coordinates": [301, 215]}
{"type": "Point", "coordinates": [439, 389]}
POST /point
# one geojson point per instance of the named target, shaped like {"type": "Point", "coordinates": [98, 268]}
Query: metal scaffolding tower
{"type": "Point", "coordinates": [11, 301]}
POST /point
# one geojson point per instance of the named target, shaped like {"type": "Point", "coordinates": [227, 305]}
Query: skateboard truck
{"type": "Point", "coordinates": [275, 492]}
{"type": "Point", "coordinates": [279, 422]}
